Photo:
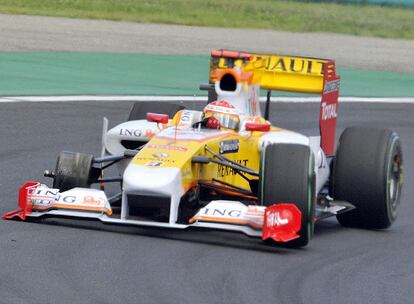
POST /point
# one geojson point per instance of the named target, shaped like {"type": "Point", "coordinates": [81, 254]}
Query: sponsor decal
{"type": "Point", "coordinates": [331, 86]}
{"type": "Point", "coordinates": [175, 134]}
{"type": "Point", "coordinates": [231, 212]}
{"type": "Point", "coordinates": [90, 200]}
{"type": "Point", "coordinates": [328, 111]}
{"type": "Point", "coordinates": [130, 132]}
{"type": "Point", "coordinates": [234, 213]}
{"type": "Point", "coordinates": [167, 147]}
{"type": "Point", "coordinates": [221, 109]}
{"type": "Point", "coordinates": [50, 197]}
{"type": "Point", "coordinates": [229, 146]}
{"type": "Point", "coordinates": [275, 219]}
{"type": "Point", "coordinates": [294, 65]}
{"type": "Point", "coordinates": [185, 119]}
{"type": "Point", "coordinates": [155, 164]}
{"type": "Point", "coordinates": [149, 133]}
{"type": "Point", "coordinates": [43, 197]}
{"type": "Point", "coordinates": [223, 171]}
{"type": "Point", "coordinates": [67, 199]}
{"type": "Point", "coordinates": [156, 159]}
{"type": "Point", "coordinates": [282, 222]}
{"type": "Point", "coordinates": [43, 192]}
{"type": "Point", "coordinates": [160, 155]}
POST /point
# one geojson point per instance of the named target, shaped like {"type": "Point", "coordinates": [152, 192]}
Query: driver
{"type": "Point", "coordinates": [220, 114]}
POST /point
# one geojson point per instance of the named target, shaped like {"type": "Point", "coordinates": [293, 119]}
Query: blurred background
{"type": "Point", "coordinates": [133, 47]}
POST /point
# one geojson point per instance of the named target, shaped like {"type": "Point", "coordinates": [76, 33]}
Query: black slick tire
{"type": "Point", "coordinates": [287, 175]}
{"type": "Point", "coordinates": [72, 170]}
{"type": "Point", "coordinates": [368, 173]}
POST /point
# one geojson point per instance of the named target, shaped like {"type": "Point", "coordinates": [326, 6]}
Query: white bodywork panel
{"type": "Point", "coordinates": [44, 199]}
{"type": "Point", "coordinates": [321, 164]}
{"type": "Point", "coordinates": [143, 130]}
{"type": "Point", "coordinates": [283, 137]}
{"type": "Point", "coordinates": [140, 131]}
{"type": "Point", "coordinates": [134, 130]}
{"type": "Point", "coordinates": [188, 118]}
{"type": "Point", "coordinates": [223, 211]}
{"type": "Point", "coordinates": [245, 98]}
{"type": "Point", "coordinates": [164, 182]}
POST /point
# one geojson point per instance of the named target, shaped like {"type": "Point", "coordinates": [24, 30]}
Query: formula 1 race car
{"type": "Point", "coordinates": [227, 167]}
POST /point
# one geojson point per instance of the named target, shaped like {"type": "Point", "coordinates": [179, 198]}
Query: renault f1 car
{"type": "Point", "coordinates": [227, 167]}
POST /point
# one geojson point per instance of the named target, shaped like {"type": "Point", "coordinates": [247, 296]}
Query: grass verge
{"type": "Point", "coordinates": [364, 20]}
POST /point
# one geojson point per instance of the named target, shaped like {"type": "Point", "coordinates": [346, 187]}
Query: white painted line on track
{"type": "Point", "coordinates": [71, 98]}
{"type": "Point", "coordinates": [290, 99]}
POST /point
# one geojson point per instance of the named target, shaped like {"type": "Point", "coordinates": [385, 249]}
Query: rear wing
{"type": "Point", "coordinates": [274, 72]}
{"type": "Point", "coordinates": [290, 74]}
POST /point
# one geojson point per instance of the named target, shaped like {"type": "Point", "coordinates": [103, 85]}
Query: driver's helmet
{"type": "Point", "coordinates": [221, 114]}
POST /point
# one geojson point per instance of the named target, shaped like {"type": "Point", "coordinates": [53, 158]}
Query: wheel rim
{"type": "Point", "coordinates": [394, 180]}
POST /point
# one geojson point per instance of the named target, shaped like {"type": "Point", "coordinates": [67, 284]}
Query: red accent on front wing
{"type": "Point", "coordinates": [25, 202]}
{"type": "Point", "coordinates": [282, 222]}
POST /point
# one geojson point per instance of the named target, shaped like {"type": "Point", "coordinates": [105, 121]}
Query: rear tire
{"type": "Point", "coordinates": [72, 170]}
{"type": "Point", "coordinates": [287, 175]}
{"type": "Point", "coordinates": [140, 109]}
{"type": "Point", "coordinates": [368, 173]}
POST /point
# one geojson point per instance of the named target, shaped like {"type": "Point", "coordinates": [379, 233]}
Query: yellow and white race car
{"type": "Point", "coordinates": [227, 167]}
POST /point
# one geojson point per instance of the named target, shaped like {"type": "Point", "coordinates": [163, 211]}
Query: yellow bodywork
{"type": "Point", "coordinates": [178, 153]}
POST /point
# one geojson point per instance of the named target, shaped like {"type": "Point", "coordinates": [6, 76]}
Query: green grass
{"type": "Point", "coordinates": [366, 20]}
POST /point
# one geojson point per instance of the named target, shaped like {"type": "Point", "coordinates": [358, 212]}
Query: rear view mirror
{"type": "Point", "coordinates": [263, 127]}
{"type": "Point", "coordinates": [159, 118]}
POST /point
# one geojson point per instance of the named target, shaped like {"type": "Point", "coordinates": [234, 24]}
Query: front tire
{"type": "Point", "coordinates": [287, 175]}
{"type": "Point", "coordinates": [72, 170]}
{"type": "Point", "coordinates": [368, 173]}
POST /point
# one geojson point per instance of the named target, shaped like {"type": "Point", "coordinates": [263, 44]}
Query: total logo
{"type": "Point", "coordinates": [328, 111]}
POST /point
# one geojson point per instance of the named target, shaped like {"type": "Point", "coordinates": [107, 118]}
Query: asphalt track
{"type": "Point", "coordinates": [66, 261]}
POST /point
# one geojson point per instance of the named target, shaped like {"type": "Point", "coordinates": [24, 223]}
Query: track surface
{"type": "Point", "coordinates": [35, 33]}
{"type": "Point", "coordinates": [64, 261]}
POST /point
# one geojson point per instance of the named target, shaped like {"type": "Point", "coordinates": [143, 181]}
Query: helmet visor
{"type": "Point", "coordinates": [227, 120]}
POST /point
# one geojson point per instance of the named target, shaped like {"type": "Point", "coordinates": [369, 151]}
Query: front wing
{"type": "Point", "coordinates": [279, 222]}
